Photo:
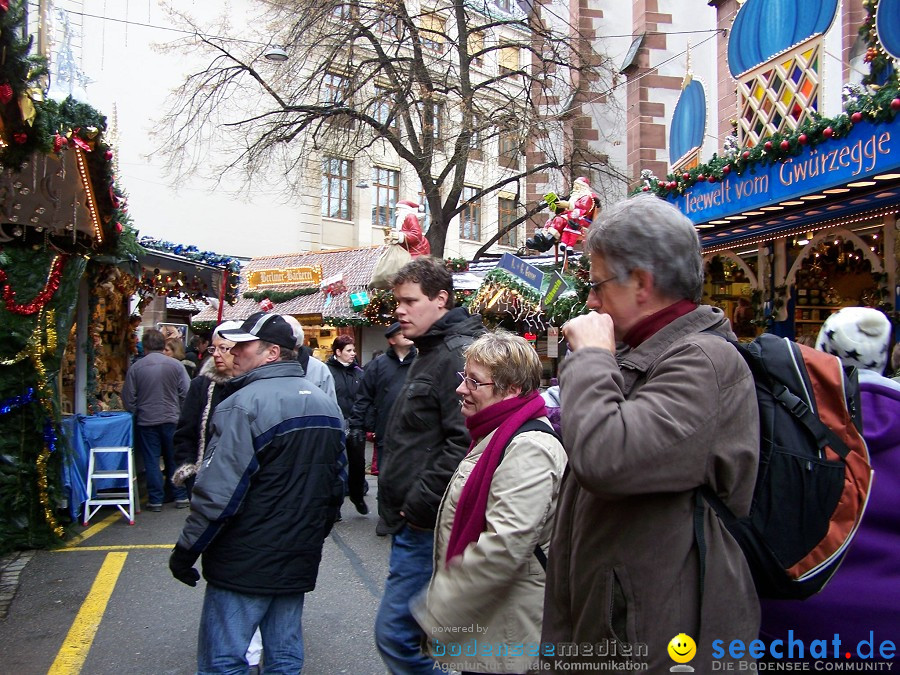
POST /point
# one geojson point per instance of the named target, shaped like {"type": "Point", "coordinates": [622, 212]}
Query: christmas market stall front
{"type": "Point", "coordinates": [61, 218]}
{"type": "Point", "coordinates": [804, 222]}
{"type": "Point", "coordinates": [167, 285]}
{"type": "Point", "coordinates": [798, 215]}
{"type": "Point", "coordinates": [327, 291]}
{"type": "Point", "coordinates": [533, 298]}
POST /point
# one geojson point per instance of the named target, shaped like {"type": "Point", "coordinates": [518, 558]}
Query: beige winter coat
{"type": "Point", "coordinates": [677, 412]}
{"type": "Point", "coordinates": [483, 613]}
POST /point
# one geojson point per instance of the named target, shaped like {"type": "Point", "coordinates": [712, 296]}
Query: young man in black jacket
{"type": "Point", "coordinates": [425, 439]}
{"type": "Point", "coordinates": [383, 378]}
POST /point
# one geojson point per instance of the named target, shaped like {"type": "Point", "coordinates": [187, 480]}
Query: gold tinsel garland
{"type": "Point", "coordinates": [36, 351]}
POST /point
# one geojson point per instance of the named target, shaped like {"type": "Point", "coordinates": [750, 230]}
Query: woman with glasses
{"type": "Point", "coordinates": [204, 394]}
{"type": "Point", "coordinates": [482, 608]}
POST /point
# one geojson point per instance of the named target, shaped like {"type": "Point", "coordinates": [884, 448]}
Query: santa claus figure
{"type": "Point", "coordinates": [408, 229]}
{"type": "Point", "coordinates": [574, 216]}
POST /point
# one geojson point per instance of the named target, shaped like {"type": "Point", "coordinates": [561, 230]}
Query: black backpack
{"type": "Point", "coordinates": [814, 475]}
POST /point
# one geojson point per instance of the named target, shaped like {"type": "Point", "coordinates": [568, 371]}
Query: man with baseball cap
{"type": "Point", "coordinates": [265, 498]}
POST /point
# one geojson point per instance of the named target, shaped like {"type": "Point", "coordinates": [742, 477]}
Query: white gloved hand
{"type": "Point", "coordinates": [396, 237]}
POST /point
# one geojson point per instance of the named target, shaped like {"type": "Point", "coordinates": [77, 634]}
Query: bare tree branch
{"type": "Point", "coordinates": [430, 84]}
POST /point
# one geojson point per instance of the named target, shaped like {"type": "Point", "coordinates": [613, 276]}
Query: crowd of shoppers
{"type": "Point", "coordinates": [495, 521]}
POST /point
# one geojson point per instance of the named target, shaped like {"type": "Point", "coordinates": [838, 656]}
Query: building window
{"type": "Point", "coordinates": [506, 211]}
{"type": "Point", "coordinates": [432, 125]}
{"type": "Point", "coordinates": [432, 32]}
{"type": "Point", "coordinates": [470, 218]}
{"type": "Point", "coordinates": [334, 88]}
{"type": "Point", "coordinates": [476, 44]}
{"type": "Point", "coordinates": [381, 107]}
{"type": "Point", "coordinates": [509, 149]}
{"type": "Point", "coordinates": [342, 12]}
{"type": "Point", "coordinates": [389, 25]}
{"type": "Point", "coordinates": [336, 174]}
{"type": "Point", "coordinates": [505, 5]}
{"type": "Point", "coordinates": [386, 186]}
{"type": "Point", "coordinates": [509, 60]}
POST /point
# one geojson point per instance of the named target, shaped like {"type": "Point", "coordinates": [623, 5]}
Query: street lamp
{"type": "Point", "coordinates": [275, 54]}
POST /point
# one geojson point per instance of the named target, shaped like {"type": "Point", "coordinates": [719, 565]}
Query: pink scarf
{"type": "Point", "coordinates": [506, 417]}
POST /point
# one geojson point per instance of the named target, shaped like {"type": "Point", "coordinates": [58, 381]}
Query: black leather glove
{"type": "Point", "coordinates": [356, 437]}
{"type": "Point", "coordinates": [181, 563]}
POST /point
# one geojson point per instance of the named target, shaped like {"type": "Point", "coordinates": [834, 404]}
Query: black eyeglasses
{"type": "Point", "coordinates": [595, 285]}
{"type": "Point", "coordinates": [221, 348]}
{"type": "Point", "coordinates": [472, 385]}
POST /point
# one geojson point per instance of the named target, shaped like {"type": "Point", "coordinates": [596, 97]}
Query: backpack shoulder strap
{"type": "Point", "coordinates": [535, 425]}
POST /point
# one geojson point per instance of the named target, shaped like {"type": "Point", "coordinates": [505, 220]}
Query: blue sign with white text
{"type": "Point", "coordinates": [530, 274]}
{"type": "Point", "coordinates": [868, 150]}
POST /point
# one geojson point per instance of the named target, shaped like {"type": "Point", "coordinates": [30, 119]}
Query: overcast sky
{"type": "Point", "coordinates": [127, 74]}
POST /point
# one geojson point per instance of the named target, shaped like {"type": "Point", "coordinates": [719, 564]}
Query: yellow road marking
{"type": "Point", "coordinates": [124, 547]}
{"type": "Point", "coordinates": [94, 529]}
{"type": "Point", "coordinates": [75, 648]}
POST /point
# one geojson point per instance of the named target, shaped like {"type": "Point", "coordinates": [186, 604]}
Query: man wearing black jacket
{"type": "Point", "coordinates": [424, 441]}
{"type": "Point", "coordinates": [384, 377]}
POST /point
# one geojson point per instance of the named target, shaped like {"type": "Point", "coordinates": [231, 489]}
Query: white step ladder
{"type": "Point", "coordinates": [119, 498]}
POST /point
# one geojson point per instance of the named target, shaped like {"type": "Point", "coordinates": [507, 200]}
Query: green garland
{"type": "Point", "coordinates": [343, 321]}
{"type": "Point", "coordinates": [20, 78]}
{"type": "Point", "coordinates": [280, 296]}
{"type": "Point", "coordinates": [22, 513]}
{"type": "Point", "coordinates": [457, 264]}
{"type": "Point", "coordinates": [879, 60]}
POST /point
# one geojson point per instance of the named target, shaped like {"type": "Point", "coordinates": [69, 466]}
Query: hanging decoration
{"type": "Point", "coordinates": [359, 300]}
{"type": "Point", "coordinates": [192, 288]}
{"type": "Point", "coordinates": [881, 66]}
{"type": "Point", "coordinates": [380, 310]}
{"type": "Point", "coordinates": [457, 264]}
{"type": "Point", "coordinates": [333, 286]}
{"type": "Point", "coordinates": [155, 283]}
{"type": "Point", "coordinates": [43, 296]}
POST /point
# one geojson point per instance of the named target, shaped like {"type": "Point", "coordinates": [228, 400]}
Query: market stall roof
{"type": "Point", "coordinates": [283, 275]}
{"type": "Point", "coordinates": [177, 270]}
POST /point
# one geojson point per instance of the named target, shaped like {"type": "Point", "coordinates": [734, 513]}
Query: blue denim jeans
{"type": "Point", "coordinates": [397, 634]}
{"type": "Point", "coordinates": [157, 441]}
{"type": "Point", "coordinates": [228, 622]}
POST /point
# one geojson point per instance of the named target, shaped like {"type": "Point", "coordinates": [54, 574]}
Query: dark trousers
{"type": "Point", "coordinates": [158, 441]}
{"type": "Point", "coordinates": [356, 470]}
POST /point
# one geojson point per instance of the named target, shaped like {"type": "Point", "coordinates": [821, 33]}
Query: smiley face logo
{"type": "Point", "coordinates": [682, 648]}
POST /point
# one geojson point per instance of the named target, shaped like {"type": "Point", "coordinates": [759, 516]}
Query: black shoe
{"type": "Point", "coordinates": [182, 503]}
{"type": "Point", "coordinates": [361, 506]}
{"type": "Point", "coordinates": [156, 508]}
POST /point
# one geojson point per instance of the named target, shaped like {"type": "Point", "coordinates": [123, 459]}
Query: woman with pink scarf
{"type": "Point", "coordinates": [481, 612]}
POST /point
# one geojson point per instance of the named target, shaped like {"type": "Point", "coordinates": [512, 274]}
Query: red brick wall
{"type": "Point", "coordinates": [646, 131]}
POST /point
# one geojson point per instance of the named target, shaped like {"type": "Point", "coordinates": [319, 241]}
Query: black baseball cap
{"type": "Point", "coordinates": [392, 330]}
{"type": "Point", "coordinates": [262, 326]}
